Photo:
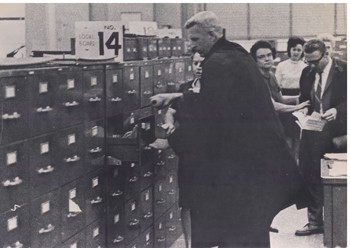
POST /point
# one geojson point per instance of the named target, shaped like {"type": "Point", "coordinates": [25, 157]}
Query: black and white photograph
{"type": "Point", "coordinates": [173, 125]}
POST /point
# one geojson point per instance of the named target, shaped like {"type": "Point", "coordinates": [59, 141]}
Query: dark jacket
{"type": "Point", "coordinates": [244, 171]}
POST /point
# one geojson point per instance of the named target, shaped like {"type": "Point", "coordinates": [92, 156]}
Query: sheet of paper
{"type": "Point", "coordinates": [336, 156]}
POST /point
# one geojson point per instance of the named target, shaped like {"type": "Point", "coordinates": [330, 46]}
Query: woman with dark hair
{"type": "Point", "coordinates": [288, 72]}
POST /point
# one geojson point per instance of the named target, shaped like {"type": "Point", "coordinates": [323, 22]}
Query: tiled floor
{"type": "Point", "coordinates": [287, 221]}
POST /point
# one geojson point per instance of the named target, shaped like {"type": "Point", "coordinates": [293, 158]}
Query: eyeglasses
{"type": "Point", "coordinates": [264, 56]}
{"type": "Point", "coordinates": [314, 62]}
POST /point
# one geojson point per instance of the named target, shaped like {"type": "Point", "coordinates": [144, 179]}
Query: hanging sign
{"type": "Point", "coordinates": [99, 40]}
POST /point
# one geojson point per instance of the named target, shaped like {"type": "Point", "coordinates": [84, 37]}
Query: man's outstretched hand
{"type": "Point", "coordinates": [164, 99]}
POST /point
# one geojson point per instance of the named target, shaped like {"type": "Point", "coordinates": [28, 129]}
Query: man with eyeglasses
{"type": "Point", "coordinates": [323, 83]}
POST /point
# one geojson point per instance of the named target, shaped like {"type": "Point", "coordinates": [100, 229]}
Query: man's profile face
{"type": "Point", "coordinates": [201, 40]}
{"type": "Point", "coordinates": [316, 60]}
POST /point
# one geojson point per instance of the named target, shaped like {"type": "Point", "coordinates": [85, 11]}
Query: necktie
{"type": "Point", "coordinates": [318, 97]}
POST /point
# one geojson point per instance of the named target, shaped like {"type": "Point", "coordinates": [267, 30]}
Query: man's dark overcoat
{"type": "Point", "coordinates": [244, 173]}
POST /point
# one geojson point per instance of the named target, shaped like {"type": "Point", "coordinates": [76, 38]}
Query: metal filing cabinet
{"type": "Point", "coordinates": [116, 226]}
{"type": "Point", "coordinates": [14, 175]}
{"type": "Point", "coordinates": [169, 75]}
{"type": "Point", "coordinates": [94, 145]}
{"type": "Point", "coordinates": [146, 207]}
{"type": "Point", "coordinates": [46, 220]}
{"type": "Point", "coordinates": [130, 49]}
{"type": "Point", "coordinates": [14, 100]}
{"type": "Point", "coordinates": [152, 48]}
{"type": "Point", "coordinates": [96, 234]}
{"type": "Point", "coordinates": [159, 85]}
{"type": "Point", "coordinates": [132, 218]}
{"type": "Point", "coordinates": [160, 233]}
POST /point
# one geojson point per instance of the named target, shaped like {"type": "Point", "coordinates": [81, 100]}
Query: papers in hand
{"type": "Point", "coordinates": [337, 168]}
{"type": "Point", "coordinates": [336, 156]}
{"type": "Point", "coordinates": [310, 122]}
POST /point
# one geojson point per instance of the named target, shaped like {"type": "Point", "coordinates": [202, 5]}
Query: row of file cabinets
{"type": "Point", "coordinates": [132, 206]}
{"type": "Point", "coordinates": [142, 47]}
{"type": "Point", "coordinates": [38, 101]}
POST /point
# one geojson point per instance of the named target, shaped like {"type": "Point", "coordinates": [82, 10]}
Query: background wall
{"type": "Point", "coordinates": [50, 26]}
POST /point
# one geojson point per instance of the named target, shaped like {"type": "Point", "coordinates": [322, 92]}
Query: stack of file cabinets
{"type": "Point", "coordinates": [76, 166]}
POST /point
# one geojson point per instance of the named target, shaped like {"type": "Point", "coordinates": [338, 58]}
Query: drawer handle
{"type": "Point", "coordinates": [71, 104]}
{"type": "Point", "coordinates": [16, 181]}
{"type": "Point", "coordinates": [48, 169]}
{"type": "Point", "coordinates": [116, 99]}
{"type": "Point", "coordinates": [147, 148]}
{"type": "Point", "coordinates": [172, 156]}
{"type": "Point", "coordinates": [96, 201]}
{"type": "Point", "coordinates": [75, 158]}
{"type": "Point", "coordinates": [131, 92]}
{"type": "Point", "coordinates": [14, 116]}
{"type": "Point", "coordinates": [171, 83]}
{"type": "Point", "coordinates": [133, 179]}
{"type": "Point", "coordinates": [134, 222]}
{"type": "Point", "coordinates": [95, 99]}
{"type": "Point", "coordinates": [161, 201]}
{"type": "Point", "coordinates": [147, 244]}
{"type": "Point", "coordinates": [44, 110]}
{"type": "Point", "coordinates": [159, 86]}
{"type": "Point", "coordinates": [118, 239]}
{"type": "Point", "coordinates": [148, 215]}
{"type": "Point", "coordinates": [148, 174]}
{"type": "Point", "coordinates": [118, 193]}
{"type": "Point", "coordinates": [172, 228]}
{"type": "Point", "coordinates": [95, 150]}
{"type": "Point", "coordinates": [48, 229]}
{"type": "Point", "coordinates": [16, 245]}
{"type": "Point", "coordinates": [147, 92]}
{"type": "Point", "coordinates": [72, 215]}
{"type": "Point", "coordinates": [161, 163]}
{"type": "Point", "coordinates": [161, 239]}
{"type": "Point", "coordinates": [171, 192]}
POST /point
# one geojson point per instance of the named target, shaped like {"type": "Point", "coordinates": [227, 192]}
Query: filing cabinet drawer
{"type": "Point", "coordinates": [171, 187]}
{"type": "Point", "coordinates": [142, 43]}
{"type": "Point", "coordinates": [160, 132]}
{"type": "Point", "coordinates": [14, 226]}
{"type": "Point", "coordinates": [146, 72]}
{"type": "Point", "coordinates": [146, 205]}
{"type": "Point", "coordinates": [46, 220]}
{"type": "Point", "coordinates": [188, 70]}
{"type": "Point", "coordinates": [152, 48]}
{"type": "Point", "coordinates": [161, 48]}
{"type": "Point", "coordinates": [70, 97]}
{"type": "Point", "coordinates": [131, 87]}
{"type": "Point", "coordinates": [44, 168]}
{"type": "Point", "coordinates": [14, 175]}
{"type": "Point", "coordinates": [96, 234]}
{"type": "Point", "coordinates": [159, 85]}
{"type": "Point", "coordinates": [43, 109]}
{"type": "Point", "coordinates": [78, 241]}
{"type": "Point", "coordinates": [73, 208]}
{"type": "Point", "coordinates": [71, 155]}
{"type": "Point", "coordinates": [14, 105]}
{"type": "Point", "coordinates": [131, 171]}
{"type": "Point", "coordinates": [147, 133]}
{"type": "Point", "coordinates": [114, 90]}
{"type": "Point", "coordinates": [93, 79]}
{"type": "Point", "coordinates": [147, 168]}
{"type": "Point", "coordinates": [169, 75]}
{"type": "Point", "coordinates": [95, 201]}
{"type": "Point", "coordinates": [160, 198]}
{"type": "Point", "coordinates": [133, 219]}
{"type": "Point", "coordinates": [123, 129]}
{"type": "Point", "coordinates": [116, 227]}
{"type": "Point", "coordinates": [173, 226]}
{"type": "Point", "coordinates": [176, 47]}
{"type": "Point", "coordinates": [115, 186]}
{"type": "Point", "coordinates": [124, 152]}
{"type": "Point", "coordinates": [130, 49]}
{"type": "Point", "coordinates": [94, 144]}
{"type": "Point", "coordinates": [180, 72]}
{"type": "Point", "coordinates": [167, 47]}
{"type": "Point", "coordinates": [160, 233]}
{"type": "Point", "coordinates": [145, 240]}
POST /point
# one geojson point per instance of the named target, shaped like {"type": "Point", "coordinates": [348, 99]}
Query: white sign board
{"type": "Point", "coordinates": [99, 40]}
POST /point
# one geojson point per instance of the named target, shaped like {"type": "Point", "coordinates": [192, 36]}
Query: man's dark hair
{"type": "Point", "coordinates": [261, 44]}
{"type": "Point", "coordinates": [314, 45]}
{"type": "Point", "coordinates": [293, 42]}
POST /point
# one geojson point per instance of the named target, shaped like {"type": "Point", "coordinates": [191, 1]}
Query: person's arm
{"type": "Point", "coordinates": [164, 99]}
{"type": "Point", "coordinates": [285, 108]}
